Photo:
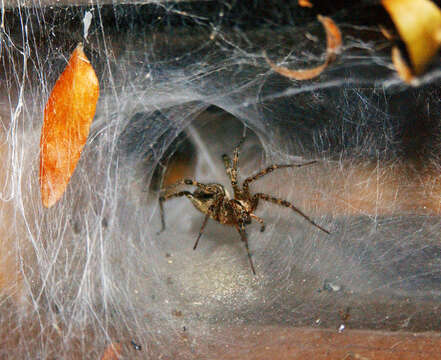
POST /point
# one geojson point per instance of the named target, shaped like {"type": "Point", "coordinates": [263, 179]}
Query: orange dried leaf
{"type": "Point", "coordinates": [112, 352]}
{"type": "Point", "coordinates": [419, 24]}
{"type": "Point", "coordinates": [333, 34]}
{"type": "Point", "coordinates": [333, 41]}
{"type": "Point", "coordinates": [67, 118]}
{"type": "Point", "coordinates": [301, 74]}
{"type": "Point", "coordinates": [305, 3]}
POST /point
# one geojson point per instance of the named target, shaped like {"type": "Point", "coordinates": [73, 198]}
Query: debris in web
{"type": "Point", "coordinates": [305, 3]}
{"type": "Point", "coordinates": [333, 41]}
{"type": "Point", "coordinates": [112, 352]}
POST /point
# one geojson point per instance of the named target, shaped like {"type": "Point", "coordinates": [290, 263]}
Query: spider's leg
{"type": "Point", "coordinates": [161, 211]}
{"type": "Point", "coordinates": [236, 153]}
{"type": "Point", "coordinates": [166, 197]}
{"type": "Point", "coordinates": [268, 170]}
{"type": "Point", "coordinates": [184, 182]}
{"type": "Point", "coordinates": [260, 221]}
{"type": "Point", "coordinates": [289, 205]}
{"type": "Point", "coordinates": [236, 164]}
{"type": "Point", "coordinates": [228, 167]}
{"type": "Point", "coordinates": [201, 231]}
{"type": "Point", "coordinates": [227, 163]}
{"type": "Point", "coordinates": [232, 173]}
{"type": "Point", "coordinates": [243, 236]}
{"type": "Point", "coordinates": [231, 167]}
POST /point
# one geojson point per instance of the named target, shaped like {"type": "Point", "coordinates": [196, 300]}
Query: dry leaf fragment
{"type": "Point", "coordinates": [333, 45]}
{"type": "Point", "coordinates": [305, 3]}
{"type": "Point", "coordinates": [419, 24]}
{"type": "Point", "coordinates": [67, 118]}
{"type": "Point", "coordinates": [301, 74]}
{"type": "Point", "coordinates": [386, 33]}
{"type": "Point", "coordinates": [403, 70]}
{"type": "Point", "coordinates": [112, 352]}
{"type": "Point", "coordinates": [333, 35]}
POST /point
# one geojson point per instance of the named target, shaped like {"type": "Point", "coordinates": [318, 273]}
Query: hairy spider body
{"type": "Point", "coordinates": [215, 202]}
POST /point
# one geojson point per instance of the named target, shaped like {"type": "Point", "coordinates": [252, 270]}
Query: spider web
{"type": "Point", "coordinates": [180, 81]}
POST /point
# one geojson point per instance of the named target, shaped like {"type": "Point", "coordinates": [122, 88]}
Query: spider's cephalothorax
{"type": "Point", "coordinates": [213, 201]}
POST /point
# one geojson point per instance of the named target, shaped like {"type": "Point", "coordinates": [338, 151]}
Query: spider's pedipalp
{"type": "Point", "coordinates": [285, 203]}
{"type": "Point", "coordinates": [190, 182]}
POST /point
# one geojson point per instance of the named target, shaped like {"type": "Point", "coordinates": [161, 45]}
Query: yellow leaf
{"type": "Point", "coordinates": [419, 24]}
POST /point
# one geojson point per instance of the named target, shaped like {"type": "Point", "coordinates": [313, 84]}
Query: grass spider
{"type": "Point", "coordinates": [214, 201]}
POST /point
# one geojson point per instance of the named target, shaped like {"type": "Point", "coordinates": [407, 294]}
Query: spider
{"type": "Point", "coordinates": [215, 202]}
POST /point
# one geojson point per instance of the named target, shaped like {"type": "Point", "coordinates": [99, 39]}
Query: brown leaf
{"type": "Point", "coordinates": [67, 118]}
{"type": "Point", "coordinates": [418, 23]}
{"type": "Point", "coordinates": [333, 41]}
{"type": "Point", "coordinates": [112, 352]}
